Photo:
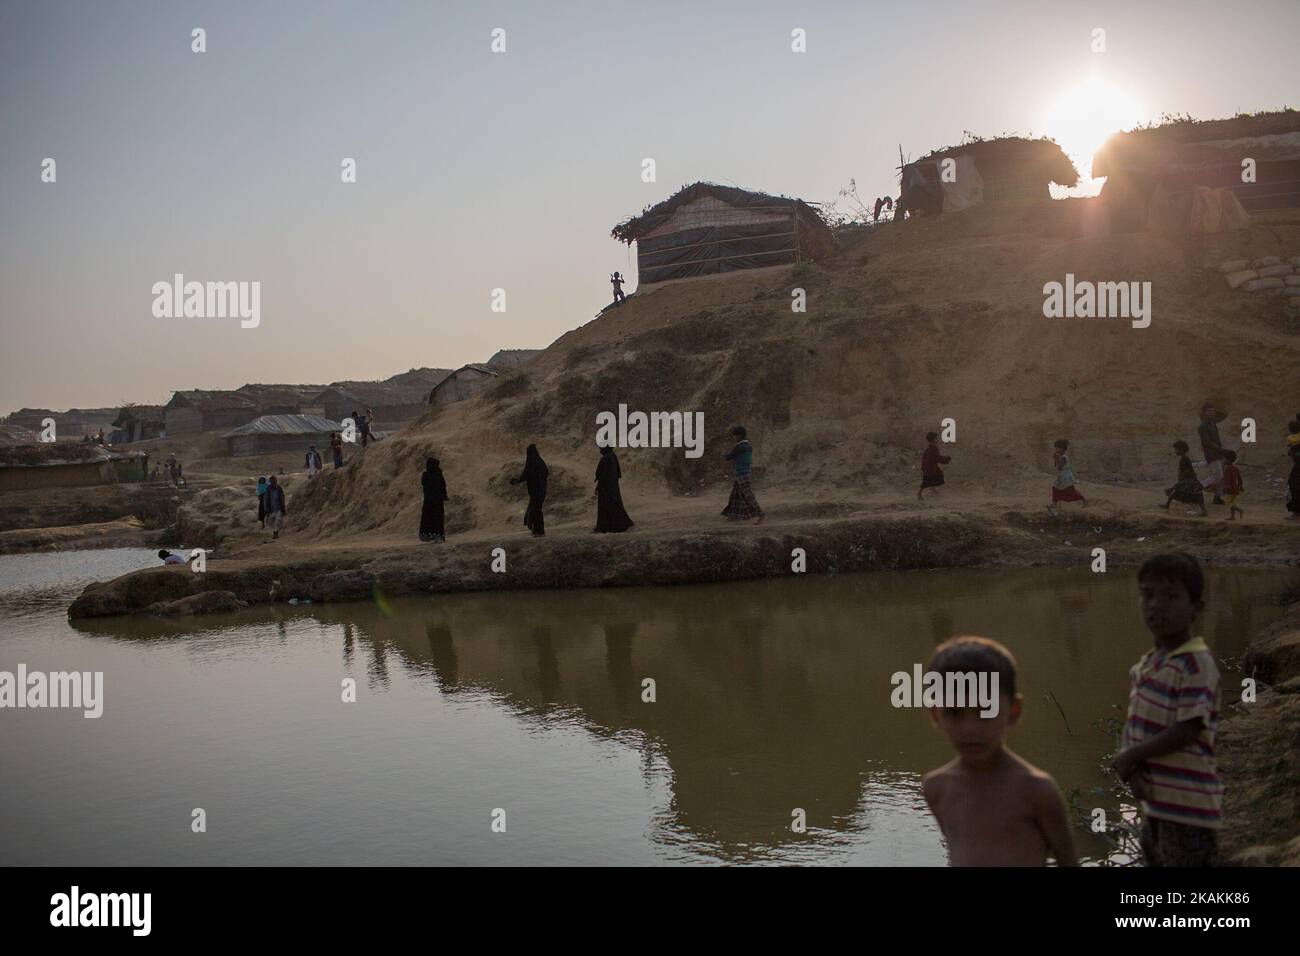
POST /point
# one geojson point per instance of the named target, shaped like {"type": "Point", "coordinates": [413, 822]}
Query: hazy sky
{"type": "Point", "coordinates": [479, 170]}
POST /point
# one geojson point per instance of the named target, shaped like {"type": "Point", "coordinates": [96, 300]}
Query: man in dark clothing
{"type": "Point", "coordinates": [534, 476]}
{"type": "Point", "coordinates": [1212, 448]}
{"type": "Point", "coordinates": [275, 509]}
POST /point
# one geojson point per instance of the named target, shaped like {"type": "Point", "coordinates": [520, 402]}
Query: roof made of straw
{"type": "Point", "coordinates": [1160, 142]}
{"type": "Point", "coordinates": [1014, 155]}
{"type": "Point", "coordinates": [629, 230]}
{"type": "Point", "coordinates": [203, 399]}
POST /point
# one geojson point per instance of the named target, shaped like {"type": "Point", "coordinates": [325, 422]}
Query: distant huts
{"type": "Point", "coordinates": [283, 399]}
{"type": "Point", "coordinates": [391, 401]}
{"type": "Point", "coordinates": [69, 426]}
{"type": "Point", "coordinates": [137, 423]}
{"type": "Point", "coordinates": [278, 433]}
{"type": "Point", "coordinates": [1178, 156]}
{"type": "Point", "coordinates": [198, 410]}
{"type": "Point", "coordinates": [465, 382]}
{"type": "Point", "coordinates": [707, 229]}
{"type": "Point", "coordinates": [984, 170]}
{"type": "Point", "coordinates": [67, 465]}
{"type": "Point", "coordinates": [509, 358]}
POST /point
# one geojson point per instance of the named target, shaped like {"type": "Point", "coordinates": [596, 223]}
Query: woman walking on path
{"type": "Point", "coordinates": [1293, 480]}
{"type": "Point", "coordinates": [742, 503]}
{"type": "Point", "coordinates": [435, 493]}
{"type": "Point", "coordinates": [261, 501]}
{"type": "Point", "coordinates": [534, 476]}
{"type": "Point", "coordinates": [275, 509]}
{"type": "Point", "coordinates": [611, 516]}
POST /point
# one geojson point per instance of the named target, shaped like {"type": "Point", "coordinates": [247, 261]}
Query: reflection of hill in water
{"type": "Point", "coordinates": [771, 695]}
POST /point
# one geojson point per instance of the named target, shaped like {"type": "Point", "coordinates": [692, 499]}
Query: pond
{"type": "Point", "coordinates": [769, 696]}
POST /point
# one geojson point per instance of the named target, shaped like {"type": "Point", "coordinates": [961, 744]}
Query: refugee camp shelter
{"type": "Point", "coordinates": [137, 423]}
{"type": "Point", "coordinates": [200, 410]}
{"type": "Point", "coordinates": [390, 402]}
{"type": "Point", "coordinates": [1178, 156]}
{"type": "Point", "coordinates": [283, 399]}
{"type": "Point", "coordinates": [11, 435]}
{"type": "Point", "coordinates": [67, 465]}
{"type": "Point", "coordinates": [465, 382]}
{"type": "Point", "coordinates": [707, 229]}
{"type": "Point", "coordinates": [984, 170]}
{"type": "Point", "coordinates": [279, 433]}
{"type": "Point", "coordinates": [69, 425]}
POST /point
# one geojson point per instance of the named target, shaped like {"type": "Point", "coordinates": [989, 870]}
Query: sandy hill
{"type": "Point", "coordinates": [905, 326]}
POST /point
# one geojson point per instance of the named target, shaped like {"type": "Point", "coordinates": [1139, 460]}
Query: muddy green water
{"type": "Point", "coordinates": [771, 695]}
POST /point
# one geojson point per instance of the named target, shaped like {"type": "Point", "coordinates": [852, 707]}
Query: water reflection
{"type": "Point", "coordinates": [771, 695]}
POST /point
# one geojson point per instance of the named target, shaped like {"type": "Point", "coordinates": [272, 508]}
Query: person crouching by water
{"type": "Point", "coordinates": [275, 509]}
{"type": "Point", "coordinates": [170, 558]}
{"type": "Point", "coordinates": [534, 476]}
{"type": "Point", "coordinates": [435, 493]}
{"type": "Point", "coordinates": [611, 516]}
{"type": "Point", "coordinates": [742, 503]}
{"type": "Point", "coordinates": [261, 500]}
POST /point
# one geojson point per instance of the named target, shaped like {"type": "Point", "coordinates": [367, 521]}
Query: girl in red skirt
{"type": "Point", "coordinates": [1063, 487]}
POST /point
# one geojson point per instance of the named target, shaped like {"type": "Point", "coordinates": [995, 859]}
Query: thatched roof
{"type": "Point", "coordinates": [138, 413]}
{"type": "Point", "coordinates": [629, 230]}
{"type": "Point", "coordinates": [1173, 141]}
{"type": "Point", "coordinates": [1014, 156]}
{"type": "Point", "coordinates": [508, 358]}
{"type": "Point", "coordinates": [210, 401]}
{"type": "Point", "coordinates": [421, 379]}
{"type": "Point", "coordinates": [370, 394]}
{"type": "Point", "coordinates": [45, 454]}
{"type": "Point", "coordinates": [280, 396]}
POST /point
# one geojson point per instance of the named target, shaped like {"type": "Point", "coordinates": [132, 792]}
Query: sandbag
{"type": "Point", "coordinates": [1233, 265]}
{"type": "Point", "coordinates": [1265, 261]}
{"type": "Point", "coordinates": [1292, 280]}
{"type": "Point", "coordinates": [1291, 291]}
{"type": "Point", "coordinates": [1270, 271]}
{"type": "Point", "coordinates": [1295, 262]}
{"type": "Point", "coordinates": [1263, 285]}
{"type": "Point", "coordinates": [1237, 279]}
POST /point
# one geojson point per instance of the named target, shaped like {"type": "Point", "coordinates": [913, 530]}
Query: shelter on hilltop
{"type": "Point", "coordinates": [390, 402]}
{"type": "Point", "coordinates": [707, 229]}
{"type": "Point", "coordinates": [1182, 154]}
{"type": "Point", "coordinates": [278, 433]}
{"type": "Point", "coordinates": [282, 399]}
{"type": "Point", "coordinates": [509, 358]}
{"type": "Point", "coordinates": [465, 382]}
{"type": "Point", "coordinates": [985, 170]}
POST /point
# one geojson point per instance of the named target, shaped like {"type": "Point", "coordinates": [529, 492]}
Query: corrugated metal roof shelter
{"type": "Point", "coordinates": [707, 229]}
{"type": "Point", "coordinates": [279, 433]}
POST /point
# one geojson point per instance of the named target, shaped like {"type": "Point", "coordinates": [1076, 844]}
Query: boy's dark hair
{"type": "Point", "coordinates": [967, 653]}
{"type": "Point", "coordinates": [931, 436]}
{"type": "Point", "coordinates": [1175, 566]}
{"type": "Point", "coordinates": [164, 553]}
{"type": "Point", "coordinates": [1181, 447]}
{"type": "Point", "coordinates": [1230, 456]}
{"type": "Point", "coordinates": [1062, 444]}
{"type": "Point", "coordinates": [738, 431]}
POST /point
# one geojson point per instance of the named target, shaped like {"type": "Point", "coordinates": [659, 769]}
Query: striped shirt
{"type": "Point", "coordinates": [1166, 689]}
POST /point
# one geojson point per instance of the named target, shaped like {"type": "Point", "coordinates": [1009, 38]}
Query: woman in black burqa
{"type": "Point", "coordinates": [610, 513]}
{"type": "Point", "coordinates": [534, 476]}
{"type": "Point", "coordinates": [435, 493]}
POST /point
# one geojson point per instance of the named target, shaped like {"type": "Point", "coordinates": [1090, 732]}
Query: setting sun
{"type": "Point", "coordinates": [1081, 118]}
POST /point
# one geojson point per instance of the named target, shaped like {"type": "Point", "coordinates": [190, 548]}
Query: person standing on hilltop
{"type": "Point", "coordinates": [434, 486]}
{"type": "Point", "coordinates": [611, 516]}
{"type": "Point", "coordinates": [1212, 447]}
{"type": "Point", "coordinates": [534, 476]}
{"type": "Point", "coordinates": [742, 504]}
{"type": "Point", "coordinates": [617, 281]}
{"type": "Point", "coordinates": [931, 473]}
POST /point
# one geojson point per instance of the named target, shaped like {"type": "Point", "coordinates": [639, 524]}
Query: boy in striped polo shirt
{"type": "Point", "coordinates": [1167, 751]}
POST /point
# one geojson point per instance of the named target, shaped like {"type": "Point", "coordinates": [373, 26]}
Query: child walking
{"type": "Point", "coordinates": [1167, 749]}
{"type": "Point", "coordinates": [1187, 488]}
{"type": "Point", "coordinates": [994, 807]}
{"type": "Point", "coordinates": [931, 473]}
{"type": "Point", "coordinates": [1233, 486]}
{"type": "Point", "coordinates": [1063, 487]}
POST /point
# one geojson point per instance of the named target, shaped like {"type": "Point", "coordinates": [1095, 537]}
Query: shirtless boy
{"type": "Point", "coordinates": [994, 808]}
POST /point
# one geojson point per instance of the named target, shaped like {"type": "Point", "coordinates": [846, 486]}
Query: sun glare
{"type": "Point", "coordinates": [1080, 120]}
